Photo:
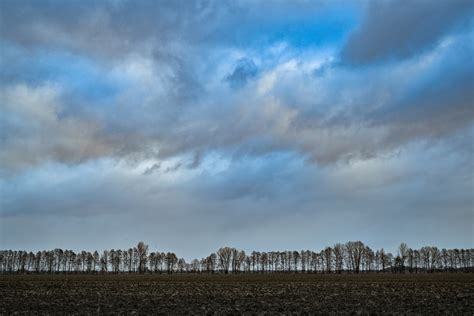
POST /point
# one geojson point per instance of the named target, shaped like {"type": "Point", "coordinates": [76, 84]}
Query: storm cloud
{"type": "Point", "coordinates": [401, 29]}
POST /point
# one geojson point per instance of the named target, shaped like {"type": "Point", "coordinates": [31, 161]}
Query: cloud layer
{"type": "Point", "coordinates": [394, 29]}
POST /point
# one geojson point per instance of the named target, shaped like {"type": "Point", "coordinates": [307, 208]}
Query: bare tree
{"type": "Point", "coordinates": [142, 254]}
{"type": "Point", "coordinates": [170, 261]}
{"type": "Point", "coordinates": [210, 262]}
{"type": "Point", "coordinates": [403, 254]}
{"type": "Point", "coordinates": [225, 255]}
{"type": "Point", "coordinates": [182, 265]}
{"type": "Point", "coordinates": [354, 250]}
{"type": "Point", "coordinates": [327, 255]}
{"type": "Point", "coordinates": [353, 256]}
{"type": "Point", "coordinates": [339, 257]}
{"type": "Point", "coordinates": [104, 261]}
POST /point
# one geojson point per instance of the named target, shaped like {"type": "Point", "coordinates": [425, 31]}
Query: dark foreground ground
{"type": "Point", "coordinates": [254, 294]}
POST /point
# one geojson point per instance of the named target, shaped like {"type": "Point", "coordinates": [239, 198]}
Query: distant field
{"type": "Point", "coordinates": [178, 294]}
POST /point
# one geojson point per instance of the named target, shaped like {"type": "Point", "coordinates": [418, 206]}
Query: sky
{"type": "Point", "coordinates": [266, 125]}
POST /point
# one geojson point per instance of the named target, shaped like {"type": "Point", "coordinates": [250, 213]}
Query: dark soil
{"type": "Point", "coordinates": [238, 294]}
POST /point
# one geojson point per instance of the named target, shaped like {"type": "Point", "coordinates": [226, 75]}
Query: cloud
{"type": "Point", "coordinates": [207, 123]}
{"type": "Point", "coordinates": [113, 29]}
{"type": "Point", "coordinates": [327, 118]}
{"type": "Point", "coordinates": [108, 29]}
{"type": "Point", "coordinates": [400, 29]}
{"type": "Point", "coordinates": [153, 168]}
{"type": "Point", "coordinates": [34, 130]}
{"type": "Point", "coordinates": [195, 211]}
{"type": "Point", "coordinates": [244, 70]}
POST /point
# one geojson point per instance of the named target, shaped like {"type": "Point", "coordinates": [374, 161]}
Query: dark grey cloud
{"type": "Point", "coordinates": [244, 70]}
{"type": "Point", "coordinates": [399, 29]}
{"type": "Point", "coordinates": [112, 29]}
{"type": "Point", "coordinates": [439, 110]}
{"type": "Point", "coordinates": [435, 105]}
{"type": "Point", "coordinates": [153, 168]}
{"type": "Point", "coordinates": [107, 28]}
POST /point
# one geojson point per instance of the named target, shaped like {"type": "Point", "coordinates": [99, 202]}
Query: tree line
{"type": "Point", "coordinates": [351, 257]}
